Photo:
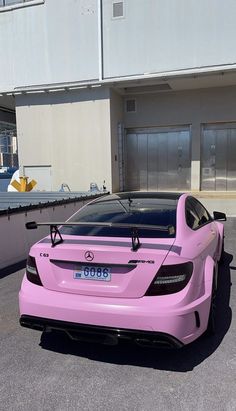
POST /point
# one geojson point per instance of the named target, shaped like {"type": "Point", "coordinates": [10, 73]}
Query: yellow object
{"type": "Point", "coordinates": [23, 185]}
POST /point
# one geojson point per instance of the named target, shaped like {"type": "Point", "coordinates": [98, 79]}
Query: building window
{"type": "Point", "coordinates": [118, 9]}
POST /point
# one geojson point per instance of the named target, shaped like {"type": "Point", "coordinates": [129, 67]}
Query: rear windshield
{"type": "Point", "coordinates": [136, 211]}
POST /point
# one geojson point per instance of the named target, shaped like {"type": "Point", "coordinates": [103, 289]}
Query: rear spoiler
{"type": "Point", "coordinates": [54, 231]}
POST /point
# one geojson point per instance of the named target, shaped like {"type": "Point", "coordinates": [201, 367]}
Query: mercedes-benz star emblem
{"type": "Point", "coordinates": [89, 256]}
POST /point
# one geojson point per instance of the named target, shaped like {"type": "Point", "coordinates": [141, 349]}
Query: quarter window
{"type": "Point", "coordinates": [196, 214]}
{"type": "Point", "coordinates": [203, 214]}
{"type": "Point", "coordinates": [192, 218]}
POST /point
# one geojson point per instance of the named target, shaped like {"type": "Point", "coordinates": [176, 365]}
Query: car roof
{"type": "Point", "coordinates": [170, 198]}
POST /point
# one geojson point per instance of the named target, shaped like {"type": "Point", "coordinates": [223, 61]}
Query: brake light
{"type": "Point", "coordinates": [32, 272]}
{"type": "Point", "coordinates": [171, 279]}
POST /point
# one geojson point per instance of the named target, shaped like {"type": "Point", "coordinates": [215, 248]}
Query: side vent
{"type": "Point", "coordinates": [118, 9]}
{"type": "Point", "coordinates": [130, 106]}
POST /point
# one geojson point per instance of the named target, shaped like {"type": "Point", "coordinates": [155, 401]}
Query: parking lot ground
{"type": "Point", "coordinates": [49, 372]}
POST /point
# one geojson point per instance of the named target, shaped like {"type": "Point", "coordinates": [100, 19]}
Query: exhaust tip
{"type": "Point", "coordinates": [37, 327]}
{"type": "Point", "coordinates": [143, 342]}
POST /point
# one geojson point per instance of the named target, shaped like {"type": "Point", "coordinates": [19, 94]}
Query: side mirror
{"type": "Point", "coordinates": [219, 216]}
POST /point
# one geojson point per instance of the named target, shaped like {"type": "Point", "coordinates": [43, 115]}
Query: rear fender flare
{"type": "Point", "coordinates": [220, 228]}
{"type": "Point", "coordinates": [210, 274]}
{"type": "Point", "coordinates": [210, 282]}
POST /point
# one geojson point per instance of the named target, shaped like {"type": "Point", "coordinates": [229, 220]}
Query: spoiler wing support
{"type": "Point", "coordinates": [135, 240]}
{"type": "Point", "coordinates": [55, 232]}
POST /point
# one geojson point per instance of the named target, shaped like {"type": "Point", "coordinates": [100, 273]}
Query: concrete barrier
{"type": "Point", "coordinates": [16, 240]}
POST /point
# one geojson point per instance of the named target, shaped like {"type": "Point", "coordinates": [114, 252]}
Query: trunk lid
{"type": "Point", "coordinates": [130, 272]}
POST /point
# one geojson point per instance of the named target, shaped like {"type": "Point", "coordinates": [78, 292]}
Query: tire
{"type": "Point", "coordinates": [211, 329]}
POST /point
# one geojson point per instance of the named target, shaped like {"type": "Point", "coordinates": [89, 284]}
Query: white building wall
{"type": "Point", "coordinates": [161, 36]}
{"type": "Point", "coordinates": [49, 43]}
{"type": "Point", "coordinates": [70, 132]}
{"type": "Point", "coordinates": [58, 41]}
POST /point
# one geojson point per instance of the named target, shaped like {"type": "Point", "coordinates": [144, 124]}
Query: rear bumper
{"type": "Point", "coordinates": [146, 315]}
{"type": "Point", "coordinates": [105, 335]}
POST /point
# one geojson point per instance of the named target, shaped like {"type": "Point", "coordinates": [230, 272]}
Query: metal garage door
{"type": "Point", "coordinates": [218, 157]}
{"type": "Point", "coordinates": [157, 159]}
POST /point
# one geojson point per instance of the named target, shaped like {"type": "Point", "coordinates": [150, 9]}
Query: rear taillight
{"type": "Point", "coordinates": [171, 279]}
{"type": "Point", "coordinates": [32, 272]}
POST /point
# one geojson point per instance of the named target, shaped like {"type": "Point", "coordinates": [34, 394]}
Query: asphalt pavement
{"type": "Point", "coordinates": [49, 372]}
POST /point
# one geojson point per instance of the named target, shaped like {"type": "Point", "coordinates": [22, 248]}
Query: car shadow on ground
{"type": "Point", "coordinates": [12, 269]}
{"type": "Point", "coordinates": [181, 360]}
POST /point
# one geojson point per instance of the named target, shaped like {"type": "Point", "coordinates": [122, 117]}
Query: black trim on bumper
{"type": "Point", "coordinates": [105, 335]}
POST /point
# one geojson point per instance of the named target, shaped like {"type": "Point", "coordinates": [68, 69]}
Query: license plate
{"type": "Point", "coordinates": [87, 272]}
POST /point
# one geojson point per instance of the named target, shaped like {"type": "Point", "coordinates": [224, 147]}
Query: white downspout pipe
{"type": "Point", "coordinates": [100, 42]}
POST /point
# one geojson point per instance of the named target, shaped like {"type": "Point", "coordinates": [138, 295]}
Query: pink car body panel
{"type": "Point", "coordinates": [122, 303]}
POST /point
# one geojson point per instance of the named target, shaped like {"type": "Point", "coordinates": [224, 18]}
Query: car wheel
{"type": "Point", "coordinates": [222, 253]}
{"type": "Point", "coordinates": [212, 315]}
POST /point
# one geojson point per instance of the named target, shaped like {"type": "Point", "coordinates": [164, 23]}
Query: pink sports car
{"type": "Point", "coordinates": [136, 266]}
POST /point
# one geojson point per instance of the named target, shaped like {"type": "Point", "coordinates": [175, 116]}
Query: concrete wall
{"type": "Point", "coordinates": [52, 42]}
{"type": "Point", "coordinates": [58, 41]}
{"type": "Point", "coordinates": [68, 131]}
{"type": "Point", "coordinates": [181, 108]}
